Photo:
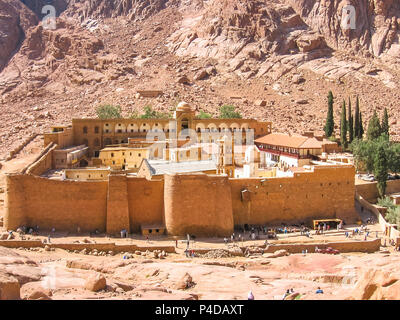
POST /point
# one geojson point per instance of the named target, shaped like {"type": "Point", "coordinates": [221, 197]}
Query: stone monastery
{"type": "Point", "coordinates": [186, 175]}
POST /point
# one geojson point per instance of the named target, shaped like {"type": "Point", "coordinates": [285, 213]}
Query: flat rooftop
{"type": "Point", "coordinates": [160, 167]}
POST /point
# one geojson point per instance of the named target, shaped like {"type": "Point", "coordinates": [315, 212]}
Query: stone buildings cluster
{"type": "Point", "coordinates": [183, 175]}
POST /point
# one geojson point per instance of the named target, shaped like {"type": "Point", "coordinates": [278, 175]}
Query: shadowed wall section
{"type": "Point", "coordinates": [146, 203]}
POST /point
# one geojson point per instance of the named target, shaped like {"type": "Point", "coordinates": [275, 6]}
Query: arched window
{"type": "Point", "coordinates": [85, 130]}
{"type": "Point", "coordinates": [96, 130]}
{"type": "Point", "coordinates": [96, 142]}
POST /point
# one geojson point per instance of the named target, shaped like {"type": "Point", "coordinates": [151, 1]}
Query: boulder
{"type": "Point", "coordinates": [95, 282]}
{"type": "Point", "coordinates": [376, 285]}
{"type": "Point", "coordinates": [40, 295]}
{"type": "Point", "coordinates": [201, 75]}
{"type": "Point", "coordinates": [261, 103]}
{"type": "Point", "coordinates": [302, 101]}
{"type": "Point", "coordinates": [276, 254]}
{"type": "Point", "coordinates": [124, 286]}
{"type": "Point", "coordinates": [183, 80]}
{"type": "Point", "coordinates": [310, 42]}
{"type": "Point", "coordinates": [297, 79]}
{"type": "Point", "coordinates": [9, 288]}
{"type": "Point", "coordinates": [185, 283]}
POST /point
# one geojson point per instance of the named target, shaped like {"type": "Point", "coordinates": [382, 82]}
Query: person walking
{"type": "Point", "coordinates": [287, 293]}
{"type": "Point", "coordinates": [250, 296]}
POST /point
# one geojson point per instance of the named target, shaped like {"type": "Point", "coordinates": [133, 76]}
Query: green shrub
{"type": "Point", "coordinates": [386, 202]}
{"type": "Point", "coordinates": [108, 112]}
{"type": "Point", "coordinates": [149, 113]}
{"type": "Point", "coordinates": [204, 115]}
{"type": "Point", "coordinates": [228, 112]}
{"type": "Point", "coordinates": [393, 215]}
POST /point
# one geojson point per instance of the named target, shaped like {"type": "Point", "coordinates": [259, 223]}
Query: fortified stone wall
{"type": "Point", "coordinates": [328, 192]}
{"type": "Point", "coordinates": [146, 202]}
{"type": "Point", "coordinates": [44, 162]}
{"type": "Point", "coordinates": [198, 204]}
{"type": "Point", "coordinates": [117, 204]}
{"type": "Point", "coordinates": [63, 138]}
{"type": "Point", "coordinates": [369, 191]}
{"type": "Point", "coordinates": [63, 205]}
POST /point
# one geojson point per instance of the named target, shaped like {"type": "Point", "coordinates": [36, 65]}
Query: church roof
{"type": "Point", "coordinates": [290, 141]}
{"type": "Point", "coordinates": [166, 167]}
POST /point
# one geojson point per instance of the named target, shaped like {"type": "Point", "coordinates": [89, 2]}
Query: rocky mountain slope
{"type": "Point", "coordinates": [275, 60]}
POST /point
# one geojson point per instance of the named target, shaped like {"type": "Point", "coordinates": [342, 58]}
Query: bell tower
{"type": "Point", "coordinates": [184, 117]}
{"type": "Point", "coordinates": [226, 157]}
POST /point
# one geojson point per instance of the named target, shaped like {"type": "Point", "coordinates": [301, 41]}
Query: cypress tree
{"type": "Point", "coordinates": [357, 120]}
{"type": "Point", "coordinates": [361, 130]}
{"type": "Point", "coordinates": [385, 123]}
{"type": "Point", "coordinates": [351, 124]}
{"type": "Point", "coordinates": [343, 126]}
{"type": "Point", "coordinates": [381, 169]}
{"type": "Point", "coordinates": [330, 124]}
{"type": "Point", "coordinates": [374, 128]}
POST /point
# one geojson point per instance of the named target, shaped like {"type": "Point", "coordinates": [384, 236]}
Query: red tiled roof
{"type": "Point", "coordinates": [294, 141]}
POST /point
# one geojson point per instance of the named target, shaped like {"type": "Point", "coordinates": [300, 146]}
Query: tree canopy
{"type": "Point", "coordinates": [330, 122]}
{"type": "Point", "coordinates": [343, 126]}
{"type": "Point", "coordinates": [228, 112]}
{"type": "Point", "coordinates": [204, 115]}
{"type": "Point", "coordinates": [108, 112]}
{"type": "Point", "coordinates": [149, 113]}
{"type": "Point", "coordinates": [374, 128]}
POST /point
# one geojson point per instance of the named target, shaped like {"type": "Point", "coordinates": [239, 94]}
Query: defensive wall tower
{"type": "Point", "coordinates": [198, 204]}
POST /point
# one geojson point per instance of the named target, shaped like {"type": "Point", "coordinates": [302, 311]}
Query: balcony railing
{"type": "Point", "coordinates": [283, 153]}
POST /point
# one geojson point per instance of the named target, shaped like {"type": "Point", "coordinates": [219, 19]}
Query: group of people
{"type": "Point", "coordinates": [34, 231]}
{"type": "Point", "coordinates": [190, 253]}
{"type": "Point", "coordinates": [28, 230]}
{"type": "Point", "coordinates": [322, 228]}
{"type": "Point", "coordinates": [288, 292]}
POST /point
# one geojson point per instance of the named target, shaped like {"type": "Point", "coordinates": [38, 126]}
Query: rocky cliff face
{"type": "Point", "coordinates": [132, 9]}
{"type": "Point", "coordinates": [37, 6]}
{"type": "Point", "coordinates": [376, 30]}
{"type": "Point", "coordinates": [247, 37]}
{"type": "Point", "coordinates": [15, 19]}
{"type": "Point", "coordinates": [285, 53]}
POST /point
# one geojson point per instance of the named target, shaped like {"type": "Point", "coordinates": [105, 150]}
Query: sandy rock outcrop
{"type": "Point", "coordinates": [15, 20]}
{"type": "Point", "coordinates": [132, 9]}
{"type": "Point", "coordinates": [9, 287]}
{"type": "Point", "coordinates": [241, 34]}
{"type": "Point", "coordinates": [276, 254]}
{"type": "Point", "coordinates": [185, 283]}
{"type": "Point", "coordinates": [95, 282]}
{"type": "Point", "coordinates": [377, 285]}
{"type": "Point", "coordinates": [376, 24]}
{"type": "Point", "coordinates": [40, 295]}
